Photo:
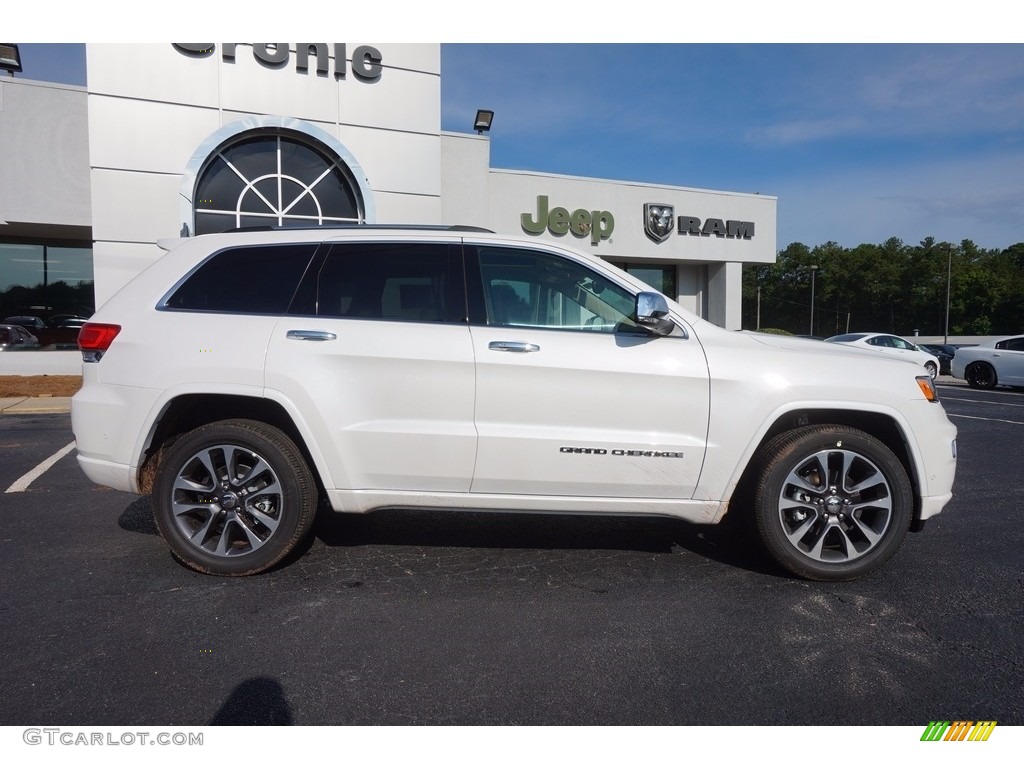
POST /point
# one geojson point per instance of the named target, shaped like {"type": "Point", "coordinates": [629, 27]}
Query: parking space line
{"type": "Point", "coordinates": [23, 482]}
{"type": "Point", "coordinates": [982, 418]}
{"type": "Point", "coordinates": [984, 402]}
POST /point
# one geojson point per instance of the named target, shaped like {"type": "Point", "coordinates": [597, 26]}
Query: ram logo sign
{"type": "Point", "coordinates": [658, 221]}
{"type": "Point", "coordinates": [658, 224]}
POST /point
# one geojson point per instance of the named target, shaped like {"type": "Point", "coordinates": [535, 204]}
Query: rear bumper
{"type": "Point", "coordinates": [106, 420]}
{"type": "Point", "coordinates": [117, 476]}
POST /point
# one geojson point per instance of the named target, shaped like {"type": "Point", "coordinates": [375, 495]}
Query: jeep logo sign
{"type": "Point", "coordinates": [558, 221]}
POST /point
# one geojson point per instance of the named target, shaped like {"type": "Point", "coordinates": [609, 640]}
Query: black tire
{"type": "Point", "coordinates": [247, 518]}
{"type": "Point", "coordinates": [831, 503]}
{"type": "Point", "coordinates": [981, 376]}
{"type": "Point", "coordinates": [932, 368]}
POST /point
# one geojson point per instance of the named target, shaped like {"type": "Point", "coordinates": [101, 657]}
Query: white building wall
{"type": "Point", "coordinates": [725, 295]}
{"type": "Point", "coordinates": [514, 193]}
{"type": "Point", "coordinates": [151, 107]}
{"type": "Point", "coordinates": [465, 179]}
{"type": "Point", "coordinates": [153, 110]}
{"type": "Point", "coordinates": [44, 169]}
{"type": "Point", "coordinates": [709, 274]}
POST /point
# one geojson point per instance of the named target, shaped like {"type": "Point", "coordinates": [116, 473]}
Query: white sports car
{"type": "Point", "coordinates": [896, 345]}
{"type": "Point", "coordinates": [1000, 361]}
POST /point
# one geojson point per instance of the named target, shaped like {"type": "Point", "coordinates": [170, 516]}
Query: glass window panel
{"type": "Point", "coordinates": [218, 188]}
{"type": "Point", "coordinates": [337, 197]}
{"type": "Point", "coordinates": [254, 157]}
{"type": "Point", "coordinates": [387, 282]}
{"type": "Point", "coordinates": [535, 289]}
{"type": "Point", "coordinates": [20, 264]}
{"type": "Point", "coordinates": [314, 188]}
{"type": "Point", "coordinates": [298, 202]}
{"type": "Point", "coordinates": [254, 280]}
{"type": "Point", "coordinates": [215, 222]}
{"type": "Point", "coordinates": [302, 162]}
{"type": "Point", "coordinates": [41, 281]}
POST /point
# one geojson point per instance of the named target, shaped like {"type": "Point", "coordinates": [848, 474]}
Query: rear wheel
{"type": "Point", "coordinates": [980, 376]}
{"type": "Point", "coordinates": [234, 498]}
{"type": "Point", "coordinates": [831, 503]}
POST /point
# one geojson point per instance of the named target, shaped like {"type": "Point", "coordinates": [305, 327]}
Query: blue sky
{"type": "Point", "coordinates": [859, 142]}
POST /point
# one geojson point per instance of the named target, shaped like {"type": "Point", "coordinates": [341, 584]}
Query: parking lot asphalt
{"type": "Point", "coordinates": [402, 618]}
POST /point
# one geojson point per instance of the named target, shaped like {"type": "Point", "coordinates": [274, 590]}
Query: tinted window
{"type": "Point", "coordinates": [1014, 345]}
{"type": "Point", "coordinates": [256, 280]}
{"type": "Point", "coordinates": [391, 281]}
{"type": "Point", "coordinates": [282, 179]}
{"type": "Point", "coordinates": [541, 290]}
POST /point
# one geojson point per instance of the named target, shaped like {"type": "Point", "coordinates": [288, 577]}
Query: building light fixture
{"type": "Point", "coordinates": [483, 120]}
{"type": "Point", "coordinates": [10, 57]}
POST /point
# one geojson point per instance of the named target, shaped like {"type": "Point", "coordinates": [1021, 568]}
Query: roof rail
{"type": "Point", "coordinates": [356, 225]}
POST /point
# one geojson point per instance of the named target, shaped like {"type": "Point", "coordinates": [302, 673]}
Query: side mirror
{"type": "Point", "coordinates": [652, 313]}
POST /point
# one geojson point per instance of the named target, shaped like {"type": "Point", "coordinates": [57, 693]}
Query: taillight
{"type": "Point", "coordinates": [95, 338]}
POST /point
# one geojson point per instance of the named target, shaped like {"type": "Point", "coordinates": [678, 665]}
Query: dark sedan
{"type": "Point", "coordinates": [945, 353]}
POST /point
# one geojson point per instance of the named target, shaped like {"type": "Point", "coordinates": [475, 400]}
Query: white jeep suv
{"type": "Point", "coordinates": [244, 375]}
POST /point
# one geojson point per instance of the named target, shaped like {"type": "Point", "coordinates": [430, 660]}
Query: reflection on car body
{"type": "Point", "coordinates": [890, 344]}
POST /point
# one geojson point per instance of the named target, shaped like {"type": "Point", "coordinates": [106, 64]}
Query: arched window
{"type": "Point", "coordinates": [274, 177]}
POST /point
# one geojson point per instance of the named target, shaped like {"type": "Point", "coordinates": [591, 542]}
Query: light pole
{"type": "Point", "coordinates": [814, 271]}
{"type": "Point", "coordinates": [949, 275]}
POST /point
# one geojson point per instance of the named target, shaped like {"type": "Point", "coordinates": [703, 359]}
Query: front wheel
{"type": "Point", "coordinates": [233, 498]}
{"type": "Point", "coordinates": [832, 503]}
{"type": "Point", "coordinates": [932, 368]}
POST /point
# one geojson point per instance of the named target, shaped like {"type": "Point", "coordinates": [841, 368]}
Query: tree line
{"type": "Point", "coordinates": [889, 288]}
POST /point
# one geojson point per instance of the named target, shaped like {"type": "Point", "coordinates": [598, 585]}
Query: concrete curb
{"type": "Point", "coordinates": [26, 405]}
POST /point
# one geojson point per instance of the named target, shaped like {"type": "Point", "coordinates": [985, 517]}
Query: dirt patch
{"type": "Point", "coordinates": [39, 386]}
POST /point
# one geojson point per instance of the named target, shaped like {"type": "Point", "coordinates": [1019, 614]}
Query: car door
{"type": "Point", "coordinates": [376, 352]}
{"type": "Point", "coordinates": [572, 397]}
{"type": "Point", "coordinates": [1009, 361]}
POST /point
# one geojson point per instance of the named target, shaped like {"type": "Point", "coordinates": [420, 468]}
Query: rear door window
{"type": "Point", "coordinates": [408, 282]}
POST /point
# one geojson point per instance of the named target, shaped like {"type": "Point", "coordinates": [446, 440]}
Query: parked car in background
{"type": "Point", "coordinates": [28, 322]}
{"type": "Point", "coordinates": [945, 353]}
{"type": "Point", "coordinates": [14, 337]}
{"type": "Point", "coordinates": [1000, 361]}
{"type": "Point", "coordinates": [895, 345]}
{"type": "Point", "coordinates": [62, 331]}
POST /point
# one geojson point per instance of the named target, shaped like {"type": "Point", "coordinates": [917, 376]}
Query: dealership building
{"type": "Point", "coordinates": [169, 140]}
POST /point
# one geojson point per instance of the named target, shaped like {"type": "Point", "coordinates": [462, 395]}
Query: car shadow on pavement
{"type": "Point", "coordinates": [256, 701]}
{"type": "Point", "coordinates": [454, 529]}
{"type": "Point", "coordinates": [138, 517]}
{"type": "Point", "coordinates": [512, 530]}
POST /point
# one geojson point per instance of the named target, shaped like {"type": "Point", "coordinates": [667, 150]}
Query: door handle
{"type": "Point", "coordinates": [311, 335]}
{"type": "Point", "coordinates": [513, 346]}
